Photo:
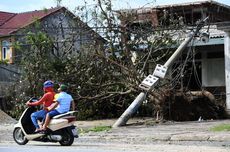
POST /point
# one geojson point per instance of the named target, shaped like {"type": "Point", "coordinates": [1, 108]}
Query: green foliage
{"type": "Point", "coordinates": [95, 129]}
{"type": "Point", "coordinates": [91, 79]}
{"type": "Point", "coordinates": [35, 61]}
{"type": "Point", "coordinates": [19, 93]}
{"type": "Point", "coordinates": [16, 45]}
{"type": "Point", "coordinates": [4, 62]}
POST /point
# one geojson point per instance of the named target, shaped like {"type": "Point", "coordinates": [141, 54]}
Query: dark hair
{"type": "Point", "coordinates": [63, 87]}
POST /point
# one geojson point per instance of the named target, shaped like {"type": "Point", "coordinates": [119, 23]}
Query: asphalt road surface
{"type": "Point", "coordinates": [182, 137]}
{"type": "Point", "coordinates": [110, 147]}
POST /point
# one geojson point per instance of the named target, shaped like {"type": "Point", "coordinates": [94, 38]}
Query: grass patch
{"type": "Point", "coordinates": [95, 129]}
{"type": "Point", "coordinates": [222, 127]}
{"type": "Point", "coordinates": [100, 128]}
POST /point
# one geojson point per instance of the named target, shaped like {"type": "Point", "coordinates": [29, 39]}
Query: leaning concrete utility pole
{"type": "Point", "coordinates": [151, 80]}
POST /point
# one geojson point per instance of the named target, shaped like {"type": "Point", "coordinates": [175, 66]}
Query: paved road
{"type": "Point", "coordinates": [167, 137]}
{"type": "Point", "coordinates": [110, 147]}
{"type": "Point", "coordinates": [51, 148]}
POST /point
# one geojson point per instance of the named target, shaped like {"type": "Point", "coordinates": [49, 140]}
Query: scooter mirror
{"type": "Point", "coordinates": [33, 99]}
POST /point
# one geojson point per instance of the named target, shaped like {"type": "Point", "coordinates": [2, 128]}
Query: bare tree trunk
{"type": "Point", "coordinates": [203, 93]}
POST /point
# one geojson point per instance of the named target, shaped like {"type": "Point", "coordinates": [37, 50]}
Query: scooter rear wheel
{"type": "Point", "coordinates": [19, 136]}
{"type": "Point", "coordinates": [67, 139]}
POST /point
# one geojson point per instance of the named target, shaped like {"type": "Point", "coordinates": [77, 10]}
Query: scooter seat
{"type": "Point", "coordinates": [64, 114]}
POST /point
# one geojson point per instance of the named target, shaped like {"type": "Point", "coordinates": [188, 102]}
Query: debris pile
{"type": "Point", "coordinates": [5, 118]}
{"type": "Point", "coordinates": [197, 109]}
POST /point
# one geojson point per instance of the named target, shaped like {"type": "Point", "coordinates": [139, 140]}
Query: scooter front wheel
{"type": "Point", "coordinates": [19, 136]}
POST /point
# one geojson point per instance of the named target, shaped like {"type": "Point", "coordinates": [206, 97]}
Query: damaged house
{"type": "Point", "coordinates": [206, 72]}
{"type": "Point", "coordinates": [67, 31]}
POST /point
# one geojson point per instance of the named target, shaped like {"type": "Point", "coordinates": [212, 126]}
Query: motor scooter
{"type": "Point", "coordinates": [60, 129]}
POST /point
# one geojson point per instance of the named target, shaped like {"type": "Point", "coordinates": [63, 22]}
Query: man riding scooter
{"type": "Point", "coordinates": [61, 105]}
{"type": "Point", "coordinates": [46, 100]}
{"type": "Point", "coordinates": [60, 129]}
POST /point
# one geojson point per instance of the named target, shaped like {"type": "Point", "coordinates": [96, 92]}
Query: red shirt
{"type": "Point", "coordinates": [46, 100]}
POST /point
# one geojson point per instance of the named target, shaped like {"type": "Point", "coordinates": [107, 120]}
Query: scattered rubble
{"type": "Point", "coordinates": [6, 119]}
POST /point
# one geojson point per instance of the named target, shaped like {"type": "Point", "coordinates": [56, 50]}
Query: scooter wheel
{"type": "Point", "coordinates": [67, 139]}
{"type": "Point", "coordinates": [19, 136]}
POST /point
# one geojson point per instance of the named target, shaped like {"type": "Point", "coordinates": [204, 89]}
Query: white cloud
{"type": "Point", "coordinates": [125, 4]}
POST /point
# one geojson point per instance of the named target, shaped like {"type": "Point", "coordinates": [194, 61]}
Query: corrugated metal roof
{"type": "Point", "coordinates": [177, 4]}
{"type": "Point", "coordinates": [194, 3]}
{"type": "Point", "coordinates": [213, 31]}
{"type": "Point", "coordinates": [5, 16]}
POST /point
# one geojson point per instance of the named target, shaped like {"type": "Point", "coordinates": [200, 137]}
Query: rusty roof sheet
{"type": "Point", "coordinates": [5, 16]}
{"type": "Point", "coordinates": [21, 20]}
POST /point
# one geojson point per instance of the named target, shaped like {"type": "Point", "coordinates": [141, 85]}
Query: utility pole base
{"type": "Point", "coordinates": [130, 111]}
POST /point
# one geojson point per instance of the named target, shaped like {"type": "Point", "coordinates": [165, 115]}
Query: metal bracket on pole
{"type": "Point", "coordinates": [160, 71]}
{"type": "Point", "coordinates": [149, 82]}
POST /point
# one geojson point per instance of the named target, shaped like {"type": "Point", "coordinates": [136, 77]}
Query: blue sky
{"type": "Point", "coordinates": [30, 5]}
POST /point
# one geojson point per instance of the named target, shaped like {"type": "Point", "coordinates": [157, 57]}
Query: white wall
{"type": "Point", "coordinates": [213, 72]}
{"type": "Point", "coordinates": [227, 69]}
